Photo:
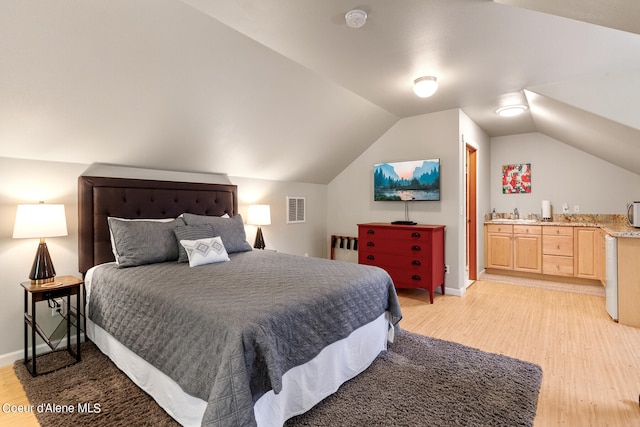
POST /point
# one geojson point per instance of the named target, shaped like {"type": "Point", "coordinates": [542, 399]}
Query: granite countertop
{"type": "Point", "coordinates": [612, 224]}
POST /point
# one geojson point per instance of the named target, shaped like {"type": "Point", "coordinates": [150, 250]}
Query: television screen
{"type": "Point", "coordinates": [411, 180]}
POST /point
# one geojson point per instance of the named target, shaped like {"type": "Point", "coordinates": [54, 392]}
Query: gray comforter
{"type": "Point", "coordinates": [227, 332]}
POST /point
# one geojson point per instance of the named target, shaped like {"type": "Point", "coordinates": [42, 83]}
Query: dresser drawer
{"type": "Point", "coordinates": [402, 248]}
{"type": "Point", "coordinates": [557, 265]}
{"type": "Point", "coordinates": [557, 245]}
{"type": "Point", "coordinates": [404, 278]}
{"type": "Point", "coordinates": [396, 262]}
{"type": "Point", "coordinates": [373, 233]}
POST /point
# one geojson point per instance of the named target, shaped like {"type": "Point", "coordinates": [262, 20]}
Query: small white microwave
{"type": "Point", "coordinates": [633, 214]}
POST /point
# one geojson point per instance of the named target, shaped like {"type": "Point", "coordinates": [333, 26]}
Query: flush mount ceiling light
{"type": "Point", "coordinates": [355, 18]}
{"type": "Point", "coordinates": [426, 86]}
{"type": "Point", "coordinates": [511, 110]}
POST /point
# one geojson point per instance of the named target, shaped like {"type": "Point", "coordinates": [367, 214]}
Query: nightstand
{"type": "Point", "coordinates": [61, 287]}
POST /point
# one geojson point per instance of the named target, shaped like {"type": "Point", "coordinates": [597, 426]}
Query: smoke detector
{"type": "Point", "coordinates": [355, 18]}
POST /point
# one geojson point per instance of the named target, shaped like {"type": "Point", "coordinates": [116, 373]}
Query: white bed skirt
{"type": "Point", "coordinates": [302, 386]}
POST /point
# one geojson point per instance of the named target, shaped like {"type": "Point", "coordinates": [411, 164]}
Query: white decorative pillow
{"type": "Point", "coordinates": [205, 251]}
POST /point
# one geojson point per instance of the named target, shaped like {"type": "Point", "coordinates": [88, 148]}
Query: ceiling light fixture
{"type": "Point", "coordinates": [426, 86]}
{"type": "Point", "coordinates": [511, 110]}
{"type": "Point", "coordinates": [356, 18]}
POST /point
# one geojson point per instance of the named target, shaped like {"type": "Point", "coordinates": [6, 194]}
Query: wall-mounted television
{"type": "Point", "coordinates": [407, 181]}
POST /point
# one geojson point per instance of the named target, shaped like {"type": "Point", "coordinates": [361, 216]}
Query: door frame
{"type": "Point", "coordinates": [471, 210]}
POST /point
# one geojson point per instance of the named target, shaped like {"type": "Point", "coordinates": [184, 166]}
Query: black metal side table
{"type": "Point", "coordinates": [61, 287]}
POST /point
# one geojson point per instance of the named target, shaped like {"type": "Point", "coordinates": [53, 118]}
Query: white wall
{"type": "Point", "coordinates": [561, 174]}
{"type": "Point", "coordinates": [308, 238]}
{"type": "Point", "coordinates": [29, 181]}
{"type": "Point", "coordinates": [350, 194]}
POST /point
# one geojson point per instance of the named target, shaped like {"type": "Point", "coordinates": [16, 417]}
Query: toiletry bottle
{"type": "Point", "coordinates": [493, 214]}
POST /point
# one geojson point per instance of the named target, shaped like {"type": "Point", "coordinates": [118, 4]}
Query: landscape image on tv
{"type": "Point", "coordinates": [405, 181]}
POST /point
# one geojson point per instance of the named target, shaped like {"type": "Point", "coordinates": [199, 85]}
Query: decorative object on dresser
{"type": "Point", "coordinates": [259, 215]}
{"type": "Point", "coordinates": [39, 221]}
{"type": "Point", "coordinates": [413, 255]}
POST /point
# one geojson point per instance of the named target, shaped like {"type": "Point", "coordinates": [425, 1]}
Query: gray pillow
{"type": "Point", "coordinates": [191, 232]}
{"type": "Point", "coordinates": [143, 242]}
{"type": "Point", "coordinates": [231, 230]}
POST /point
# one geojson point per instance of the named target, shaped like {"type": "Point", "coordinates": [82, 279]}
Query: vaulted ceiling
{"type": "Point", "coordinates": [284, 90]}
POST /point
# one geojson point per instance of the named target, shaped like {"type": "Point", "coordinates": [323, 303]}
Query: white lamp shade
{"type": "Point", "coordinates": [40, 220]}
{"type": "Point", "coordinates": [259, 215]}
{"type": "Point", "coordinates": [424, 87]}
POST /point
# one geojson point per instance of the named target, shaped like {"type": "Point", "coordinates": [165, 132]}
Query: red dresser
{"type": "Point", "coordinates": [413, 255]}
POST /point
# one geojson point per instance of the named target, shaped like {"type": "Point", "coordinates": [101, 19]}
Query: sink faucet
{"type": "Point", "coordinates": [516, 214]}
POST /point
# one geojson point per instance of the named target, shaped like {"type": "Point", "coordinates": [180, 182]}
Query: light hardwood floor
{"type": "Point", "coordinates": [591, 365]}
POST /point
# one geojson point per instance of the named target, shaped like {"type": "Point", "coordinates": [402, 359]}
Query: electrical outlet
{"type": "Point", "coordinates": [446, 268]}
{"type": "Point", "coordinates": [59, 307]}
{"type": "Point", "coordinates": [576, 208]}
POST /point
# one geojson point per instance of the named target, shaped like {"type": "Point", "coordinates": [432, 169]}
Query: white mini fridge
{"type": "Point", "coordinates": [611, 290]}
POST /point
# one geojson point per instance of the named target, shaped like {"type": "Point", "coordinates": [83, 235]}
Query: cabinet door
{"type": "Point", "coordinates": [500, 249]}
{"type": "Point", "coordinates": [601, 256]}
{"type": "Point", "coordinates": [585, 250]}
{"type": "Point", "coordinates": [527, 253]}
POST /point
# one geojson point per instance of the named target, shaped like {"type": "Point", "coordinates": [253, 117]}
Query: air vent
{"type": "Point", "coordinates": [295, 210]}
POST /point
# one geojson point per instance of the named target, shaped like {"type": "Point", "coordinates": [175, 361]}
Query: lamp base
{"type": "Point", "coordinates": [259, 243]}
{"type": "Point", "coordinates": [42, 270]}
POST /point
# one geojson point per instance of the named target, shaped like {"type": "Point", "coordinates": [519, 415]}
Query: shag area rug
{"type": "Point", "coordinates": [419, 381]}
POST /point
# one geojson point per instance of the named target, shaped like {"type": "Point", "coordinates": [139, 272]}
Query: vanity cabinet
{"type": "Point", "coordinates": [499, 246]}
{"type": "Point", "coordinates": [557, 251]}
{"type": "Point", "coordinates": [552, 250]}
{"type": "Point", "coordinates": [588, 253]}
{"type": "Point", "coordinates": [527, 244]}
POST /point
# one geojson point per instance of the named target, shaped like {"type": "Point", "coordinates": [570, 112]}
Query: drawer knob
{"type": "Point", "coordinates": [370, 231]}
{"type": "Point", "coordinates": [415, 262]}
{"type": "Point", "coordinates": [415, 277]}
{"type": "Point", "coordinates": [415, 234]}
{"type": "Point", "coordinates": [371, 257]}
{"type": "Point", "coordinates": [371, 244]}
{"type": "Point", "coordinates": [415, 248]}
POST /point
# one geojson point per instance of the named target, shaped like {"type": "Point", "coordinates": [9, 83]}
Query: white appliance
{"type": "Point", "coordinates": [611, 286]}
{"type": "Point", "coordinates": [633, 214]}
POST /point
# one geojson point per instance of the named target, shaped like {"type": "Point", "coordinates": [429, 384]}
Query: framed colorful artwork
{"type": "Point", "coordinates": [516, 179]}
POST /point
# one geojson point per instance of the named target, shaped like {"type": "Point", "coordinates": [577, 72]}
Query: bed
{"type": "Point", "coordinates": [250, 338]}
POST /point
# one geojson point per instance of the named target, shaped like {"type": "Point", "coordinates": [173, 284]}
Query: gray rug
{"type": "Point", "coordinates": [420, 381]}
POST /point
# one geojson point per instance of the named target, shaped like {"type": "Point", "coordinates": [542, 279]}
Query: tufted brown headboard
{"type": "Point", "coordinates": [99, 198]}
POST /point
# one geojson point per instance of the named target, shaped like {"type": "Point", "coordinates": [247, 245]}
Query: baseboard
{"type": "Point", "coordinates": [452, 291]}
{"type": "Point", "coordinates": [10, 358]}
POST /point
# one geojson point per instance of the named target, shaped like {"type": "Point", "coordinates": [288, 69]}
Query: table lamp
{"type": "Point", "coordinates": [259, 215]}
{"type": "Point", "coordinates": [40, 221]}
